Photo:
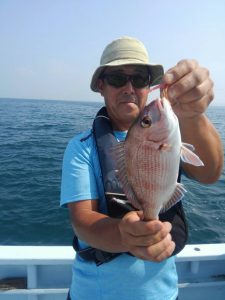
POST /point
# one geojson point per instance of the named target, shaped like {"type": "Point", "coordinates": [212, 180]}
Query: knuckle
{"type": "Point", "coordinates": [211, 86]}
{"type": "Point", "coordinates": [167, 241]}
{"type": "Point", "coordinates": [168, 226]}
{"type": "Point", "coordinates": [204, 88]}
{"type": "Point", "coordinates": [160, 236]}
{"type": "Point", "coordinates": [169, 237]}
{"type": "Point", "coordinates": [142, 253]}
{"type": "Point", "coordinates": [211, 96]}
{"type": "Point", "coordinates": [151, 253]}
{"type": "Point", "coordinates": [211, 82]}
{"type": "Point", "coordinates": [188, 64]}
{"type": "Point", "coordinates": [205, 71]}
{"type": "Point", "coordinates": [165, 232]}
{"type": "Point", "coordinates": [159, 258]}
{"type": "Point", "coordinates": [184, 84]}
{"type": "Point", "coordinates": [199, 91]}
{"type": "Point", "coordinates": [166, 253]}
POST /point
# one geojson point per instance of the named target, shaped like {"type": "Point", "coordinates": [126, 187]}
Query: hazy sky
{"type": "Point", "coordinates": [50, 48]}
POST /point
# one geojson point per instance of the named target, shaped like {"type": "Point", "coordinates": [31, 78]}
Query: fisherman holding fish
{"type": "Point", "coordinates": [121, 179]}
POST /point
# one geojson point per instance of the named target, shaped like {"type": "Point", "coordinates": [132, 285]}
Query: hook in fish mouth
{"type": "Point", "coordinates": [164, 90]}
{"type": "Point", "coordinates": [158, 107]}
{"type": "Point", "coordinates": [154, 110]}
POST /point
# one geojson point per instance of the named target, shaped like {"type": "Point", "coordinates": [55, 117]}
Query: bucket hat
{"type": "Point", "coordinates": [126, 51]}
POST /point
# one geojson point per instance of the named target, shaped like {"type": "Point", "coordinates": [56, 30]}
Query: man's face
{"type": "Point", "coordinates": [124, 103]}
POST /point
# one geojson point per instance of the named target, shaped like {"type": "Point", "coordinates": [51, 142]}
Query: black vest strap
{"type": "Point", "coordinates": [105, 140]}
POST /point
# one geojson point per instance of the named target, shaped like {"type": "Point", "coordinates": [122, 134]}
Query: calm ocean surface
{"type": "Point", "coordinates": [33, 137]}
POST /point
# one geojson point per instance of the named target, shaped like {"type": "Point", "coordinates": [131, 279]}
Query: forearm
{"type": "Point", "coordinates": [200, 132]}
{"type": "Point", "coordinates": [190, 91]}
{"type": "Point", "coordinates": [96, 229]}
{"type": "Point", "coordinates": [147, 240]}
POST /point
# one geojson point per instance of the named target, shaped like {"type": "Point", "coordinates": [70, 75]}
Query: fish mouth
{"type": "Point", "coordinates": [155, 108]}
{"type": "Point", "coordinates": [161, 104]}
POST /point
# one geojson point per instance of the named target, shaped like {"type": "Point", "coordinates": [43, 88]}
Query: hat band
{"type": "Point", "coordinates": [124, 55]}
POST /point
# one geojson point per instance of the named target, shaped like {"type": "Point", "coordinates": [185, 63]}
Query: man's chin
{"type": "Point", "coordinates": [130, 111]}
{"type": "Point", "coordinates": [130, 106]}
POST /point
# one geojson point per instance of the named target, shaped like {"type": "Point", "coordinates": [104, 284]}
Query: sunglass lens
{"type": "Point", "coordinates": [139, 81]}
{"type": "Point", "coordinates": [117, 80]}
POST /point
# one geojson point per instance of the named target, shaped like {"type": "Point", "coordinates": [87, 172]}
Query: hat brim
{"type": "Point", "coordinates": [156, 71]}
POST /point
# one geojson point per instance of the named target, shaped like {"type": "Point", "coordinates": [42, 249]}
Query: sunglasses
{"type": "Point", "coordinates": [120, 79]}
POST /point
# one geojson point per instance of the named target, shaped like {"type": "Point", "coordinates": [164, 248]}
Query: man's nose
{"type": "Point", "coordinates": [128, 88]}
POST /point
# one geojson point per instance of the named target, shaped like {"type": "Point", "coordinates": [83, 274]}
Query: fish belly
{"type": "Point", "coordinates": [153, 177]}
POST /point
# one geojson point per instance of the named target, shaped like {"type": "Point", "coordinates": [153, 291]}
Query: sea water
{"type": "Point", "coordinates": [33, 138]}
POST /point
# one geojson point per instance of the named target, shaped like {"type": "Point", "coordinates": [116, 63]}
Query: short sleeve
{"type": "Point", "coordinates": [78, 177]}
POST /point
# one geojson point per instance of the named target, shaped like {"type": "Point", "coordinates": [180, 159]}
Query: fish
{"type": "Point", "coordinates": [147, 161]}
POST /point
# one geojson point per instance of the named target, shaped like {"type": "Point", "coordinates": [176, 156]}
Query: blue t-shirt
{"type": "Point", "coordinates": [126, 277]}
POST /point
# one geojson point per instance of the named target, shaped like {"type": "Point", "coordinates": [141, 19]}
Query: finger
{"type": "Point", "coordinates": [156, 252]}
{"type": "Point", "coordinates": [166, 253]}
{"type": "Point", "coordinates": [198, 92]}
{"type": "Point", "coordinates": [182, 68]}
{"type": "Point", "coordinates": [151, 239]}
{"type": "Point", "coordinates": [195, 107]}
{"type": "Point", "coordinates": [190, 82]}
{"type": "Point", "coordinates": [135, 227]}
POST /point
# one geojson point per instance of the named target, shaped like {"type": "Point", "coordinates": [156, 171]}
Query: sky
{"type": "Point", "coordinates": [49, 49]}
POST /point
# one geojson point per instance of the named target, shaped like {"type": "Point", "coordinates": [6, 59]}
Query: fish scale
{"type": "Point", "coordinates": [153, 179]}
{"type": "Point", "coordinates": [148, 160]}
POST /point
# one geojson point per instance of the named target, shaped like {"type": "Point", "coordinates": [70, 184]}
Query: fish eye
{"type": "Point", "coordinates": [146, 122]}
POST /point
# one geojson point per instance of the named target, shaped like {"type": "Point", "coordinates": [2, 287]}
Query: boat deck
{"type": "Point", "coordinates": [44, 272]}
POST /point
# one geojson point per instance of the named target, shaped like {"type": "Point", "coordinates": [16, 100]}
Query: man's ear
{"type": "Point", "coordinates": [100, 84]}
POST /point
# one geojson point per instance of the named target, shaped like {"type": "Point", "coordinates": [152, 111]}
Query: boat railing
{"type": "Point", "coordinates": [44, 272]}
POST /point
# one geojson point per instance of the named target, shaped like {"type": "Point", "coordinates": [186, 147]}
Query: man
{"type": "Point", "coordinates": [132, 259]}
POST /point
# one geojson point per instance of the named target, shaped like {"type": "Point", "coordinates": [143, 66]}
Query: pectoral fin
{"type": "Point", "coordinates": [188, 156]}
{"type": "Point", "coordinates": [176, 197]}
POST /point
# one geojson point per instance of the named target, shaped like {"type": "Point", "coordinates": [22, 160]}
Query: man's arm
{"type": "Point", "coordinates": [190, 92]}
{"type": "Point", "coordinates": [202, 134]}
{"type": "Point", "coordinates": [146, 240]}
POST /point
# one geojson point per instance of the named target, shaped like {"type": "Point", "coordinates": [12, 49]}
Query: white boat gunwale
{"type": "Point", "coordinates": [47, 269]}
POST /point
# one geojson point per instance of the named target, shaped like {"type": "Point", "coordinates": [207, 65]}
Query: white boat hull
{"type": "Point", "coordinates": [44, 272]}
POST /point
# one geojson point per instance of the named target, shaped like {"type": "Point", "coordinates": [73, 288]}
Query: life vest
{"type": "Point", "coordinates": [105, 140]}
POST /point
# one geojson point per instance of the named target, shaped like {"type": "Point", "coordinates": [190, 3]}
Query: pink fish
{"type": "Point", "coordinates": [148, 160]}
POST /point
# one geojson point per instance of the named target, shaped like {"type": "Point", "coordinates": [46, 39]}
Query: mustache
{"type": "Point", "coordinates": [128, 98]}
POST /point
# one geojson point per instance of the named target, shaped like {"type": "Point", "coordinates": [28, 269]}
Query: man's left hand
{"type": "Point", "coordinates": [190, 88]}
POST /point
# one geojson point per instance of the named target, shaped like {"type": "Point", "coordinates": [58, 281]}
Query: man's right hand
{"type": "Point", "coordinates": [148, 240]}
